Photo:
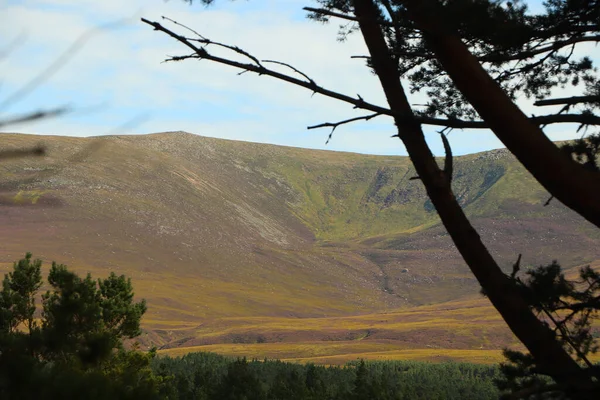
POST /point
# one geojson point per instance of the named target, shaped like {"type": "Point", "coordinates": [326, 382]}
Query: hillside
{"type": "Point", "coordinates": [241, 243]}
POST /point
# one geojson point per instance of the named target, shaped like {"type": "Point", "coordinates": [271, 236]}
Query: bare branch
{"type": "Point", "coordinates": [324, 11]}
{"type": "Point", "coordinates": [553, 47]}
{"type": "Point", "coordinates": [522, 55]}
{"type": "Point", "coordinates": [201, 53]}
{"type": "Point", "coordinates": [292, 68]}
{"type": "Point", "coordinates": [448, 167]}
{"type": "Point", "coordinates": [207, 42]}
{"type": "Point", "coordinates": [535, 389]}
{"type": "Point", "coordinates": [568, 100]}
{"type": "Point", "coordinates": [586, 119]}
{"type": "Point", "coordinates": [183, 26]}
{"type": "Point", "coordinates": [334, 125]}
{"type": "Point", "coordinates": [516, 267]}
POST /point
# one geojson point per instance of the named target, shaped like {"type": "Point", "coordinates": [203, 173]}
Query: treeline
{"type": "Point", "coordinates": [210, 376]}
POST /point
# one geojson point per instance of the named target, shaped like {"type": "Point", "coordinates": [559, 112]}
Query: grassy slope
{"type": "Point", "coordinates": [234, 242]}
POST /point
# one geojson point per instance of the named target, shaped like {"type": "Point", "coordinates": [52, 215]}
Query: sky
{"type": "Point", "coordinates": [117, 83]}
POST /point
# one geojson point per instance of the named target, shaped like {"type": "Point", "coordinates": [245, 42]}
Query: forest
{"type": "Point", "coordinates": [211, 376]}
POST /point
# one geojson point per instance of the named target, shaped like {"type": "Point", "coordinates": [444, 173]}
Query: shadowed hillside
{"type": "Point", "coordinates": [215, 233]}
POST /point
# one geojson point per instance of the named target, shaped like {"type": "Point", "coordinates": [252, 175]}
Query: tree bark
{"type": "Point", "coordinates": [539, 340]}
{"type": "Point", "coordinates": [576, 187]}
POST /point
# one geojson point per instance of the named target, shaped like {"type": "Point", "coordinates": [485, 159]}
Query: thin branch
{"type": "Point", "coordinates": [183, 26]}
{"type": "Point", "coordinates": [568, 100]}
{"type": "Point", "coordinates": [516, 267]}
{"type": "Point", "coordinates": [324, 11]}
{"type": "Point", "coordinates": [208, 42]}
{"type": "Point", "coordinates": [586, 119]}
{"type": "Point", "coordinates": [334, 125]}
{"type": "Point", "coordinates": [547, 203]}
{"type": "Point", "coordinates": [201, 53]}
{"type": "Point", "coordinates": [292, 68]}
{"type": "Point", "coordinates": [553, 47]}
{"type": "Point", "coordinates": [522, 55]}
{"type": "Point", "coordinates": [448, 167]}
{"type": "Point", "coordinates": [33, 116]}
{"type": "Point", "coordinates": [567, 337]}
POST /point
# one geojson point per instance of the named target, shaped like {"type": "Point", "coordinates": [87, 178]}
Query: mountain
{"type": "Point", "coordinates": [236, 243]}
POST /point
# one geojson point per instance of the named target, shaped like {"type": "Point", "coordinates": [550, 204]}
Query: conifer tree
{"type": "Point", "coordinates": [77, 350]}
{"type": "Point", "coordinates": [17, 299]}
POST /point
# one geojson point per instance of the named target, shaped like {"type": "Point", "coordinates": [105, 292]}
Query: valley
{"type": "Point", "coordinates": [279, 252]}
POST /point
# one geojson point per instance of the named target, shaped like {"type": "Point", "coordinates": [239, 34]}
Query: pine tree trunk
{"type": "Point", "coordinates": [567, 180]}
{"type": "Point", "coordinates": [538, 338]}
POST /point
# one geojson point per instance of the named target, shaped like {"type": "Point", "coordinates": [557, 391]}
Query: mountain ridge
{"type": "Point", "coordinates": [211, 229]}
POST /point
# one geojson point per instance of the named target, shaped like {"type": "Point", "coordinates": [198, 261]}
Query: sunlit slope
{"type": "Point", "coordinates": [211, 229]}
{"type": "Point", "coordinates": [467, 330]}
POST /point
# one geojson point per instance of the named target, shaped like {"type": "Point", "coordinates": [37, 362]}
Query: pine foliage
{"type": "Point", "coordinates": [74, 348]}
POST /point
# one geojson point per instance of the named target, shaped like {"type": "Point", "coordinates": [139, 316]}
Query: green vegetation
{"type": "Point", "coordinates": [75, 350]}
{"type": "Point", "coordinates": [210, 376]}
{"type": "Point", "coordinates": [569, 308]}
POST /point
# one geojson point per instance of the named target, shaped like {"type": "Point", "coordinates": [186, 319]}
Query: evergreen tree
{"type": "Point", "coordinates": [17, 299]}
{"type": "Point", "coordinates": [240, 383]}
{"type": "Point", "coordinates": [77, 351]}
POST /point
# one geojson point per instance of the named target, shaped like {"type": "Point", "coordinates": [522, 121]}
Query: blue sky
{"type": "Point", "coordinates": [118, 85]}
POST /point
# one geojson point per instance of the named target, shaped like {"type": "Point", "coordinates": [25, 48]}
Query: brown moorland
{"type": "Point", "coordinates": [279, 252]}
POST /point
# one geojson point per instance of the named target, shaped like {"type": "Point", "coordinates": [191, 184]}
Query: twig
{"type": "Point", "coordinates": [334, 125]}
{"type": "Point", "coordinates": [183, 26]}
{"type": "Point", "coordinates": [208, 42]}
{"type": "Point", "coordinates": [567, 100]}
{"type": "Point", "coordinates": [547, 203]}
{"type": "Point", "coordinates": [516, 267]}
{"type": "Point", "coordinates": [201, 53]}
{"type": "Point", "coordinates": [586, 119]}
{"type": "Point", "coordinates": [448, 160]}
{"type": "Point", "coordinates": [292, 68]}
{"type": "Point", "coordinates": [553, 47]}
{"type": "Point", "coordinates": [329, 13]}
{"type": "Point", "coordinates": [519, 56]}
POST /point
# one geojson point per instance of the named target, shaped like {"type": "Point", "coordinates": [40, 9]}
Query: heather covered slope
{"type": "Point", "coordinates": [213, 230]}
